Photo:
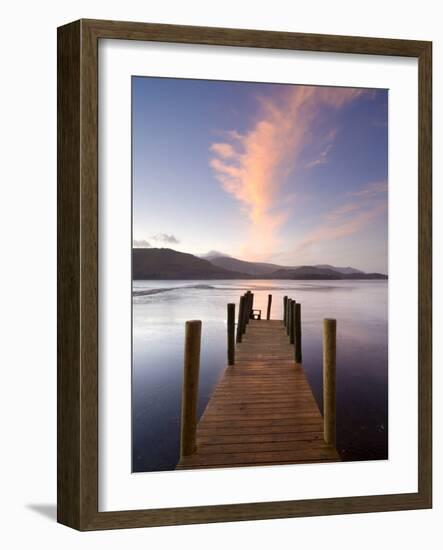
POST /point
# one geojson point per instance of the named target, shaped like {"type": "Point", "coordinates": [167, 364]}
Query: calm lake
{"type": "Point", "coordinates": [160, 309]}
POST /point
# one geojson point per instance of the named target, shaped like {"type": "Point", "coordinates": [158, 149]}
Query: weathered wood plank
{"type": "Point", "coordinates": [249, 430]}
{"type": "Point", "coordinates": [264, 426]}
{"type": "Point", "coordinates": [217, 439]}
{"type": "Point", "coordinates": [254, 458]}
{"type": "Point", "coordinates": [265, 463]}
{"type": "Point", "coordinates": [257, 416]}
{"type": "Point", "coordinates": [263, 411]}
{"type": "Point", "coordinates": [258, 408]}
{"type": "Point", "coordinates": [259, 447]}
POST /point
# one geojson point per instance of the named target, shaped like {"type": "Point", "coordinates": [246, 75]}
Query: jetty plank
{"type": "Point", "coordinates": [263, 411]}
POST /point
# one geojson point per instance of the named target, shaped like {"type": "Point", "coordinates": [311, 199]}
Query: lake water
{"type": "Point", "coordinates": [161, 308]}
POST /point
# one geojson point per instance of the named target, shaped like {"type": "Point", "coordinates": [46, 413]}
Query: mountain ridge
{"type": "Point", "coordinates": [166, 263]}
{"type": "Point", "coordinates": [265, 268]}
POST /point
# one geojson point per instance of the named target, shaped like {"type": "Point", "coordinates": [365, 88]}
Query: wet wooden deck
{"type": "Point", "coordinates": [262, 411]}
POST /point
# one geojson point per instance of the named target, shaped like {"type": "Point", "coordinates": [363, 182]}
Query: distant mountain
{"type": "Point", "coordinates": [262, 269]}
{"type": "Point", "coordinates": [306, 272]}
{"type": "Point", "coordinates": [345, 270]}
{"type": "Point", "coordinates": [165, 263]}
{"type": "Point", "coordinates": [364, 276]}
{"type": "Point", "coordinates": [212, 254]}
{"type": "Point", "coordinates": [314, 272]}
{"type": "Point", "coordinates": [256, 269]}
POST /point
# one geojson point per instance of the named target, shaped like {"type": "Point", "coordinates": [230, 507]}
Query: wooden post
{"type": "Point", "coordinates": [247, 306]}
{"type": "Point", "coordinates": [288, 317]}
{"type": "Point", "coordinates": [251, 304]}
{"type": "Point", "coordinates": [285, 309]}
{"type": "Point", "coordinates": [188, 441]}
{"type": "Point", "coordinates": [292, 322]}
{"type": "Point", "coordinates": [246, 312]}
{"type": "Point", "coordinates": [297, 333]}
{"type": "Point", "coordinates": [231, 334]}
{"type": "Point", "coordinates": [329, 383]}
{"type": "Point", "coordinates": [240, 320]}
{"type": "Point", "coordinates": [268, 312]}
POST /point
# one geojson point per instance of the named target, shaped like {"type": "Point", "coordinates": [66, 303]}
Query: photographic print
{"type": "Point", "coordinates": [259, 274]}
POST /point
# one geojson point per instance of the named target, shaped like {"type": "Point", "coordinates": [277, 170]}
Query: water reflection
{"type": "Point", "coordinates": [160, 309]}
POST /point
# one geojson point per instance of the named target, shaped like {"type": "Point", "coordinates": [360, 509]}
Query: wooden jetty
{"type": "Point", "coordinates": [263, 411]}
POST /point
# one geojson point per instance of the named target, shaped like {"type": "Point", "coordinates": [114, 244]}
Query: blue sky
{"type": "Point", "coordinates": [289, 174]}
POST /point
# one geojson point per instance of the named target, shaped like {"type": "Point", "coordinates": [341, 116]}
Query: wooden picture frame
{"type": "Point", "coordinates": [78, 274]}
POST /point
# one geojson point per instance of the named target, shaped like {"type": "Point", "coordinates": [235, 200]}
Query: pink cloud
{"type": "Point", "coordinates": [334, 231]}
{"type": "Point", "coordinates": [342, 210]}
{"type": "Point", "coordinates": [321, 159]}
{"type": "Point", "coordinates": [253, 167]}
{"type": "Point", "coordinates": [350, 217]}
{"type": "Point", "coordinates": [324, 154]}
{"type": "Point", "coordinates": [223, 150]}
{"type": "Point", "coordinates": [370, 190]}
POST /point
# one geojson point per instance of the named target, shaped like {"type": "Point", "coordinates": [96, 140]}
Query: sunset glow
{"type": "Point", "coordinates": [280, 173]}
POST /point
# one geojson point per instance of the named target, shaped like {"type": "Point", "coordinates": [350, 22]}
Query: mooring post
{"type": "Point", "coordinates": [285, 299]}
{"type": "Point", "coordinates": [297, 333]}
{"type": "Point", "coordinates": [288, 315]}
{"type": "Point", "coordinates": [251, 304]}
{"type": "Point", "coordinates": [268, 312]}
{"type": "Point", "coordinates": [245, 313]}
{"type": "Point", "coordinates": [188, 441]}
{"type": "Point", "coordinates": [247, 306]}
{"type": "Point", "coordinates": [240, 320]}
{"type": "Point", "coordinates": [329, 380]}
{"type": "Point", "coordinates": [231, 334]}
{"type": "Point", "coordinates": [292, 322]}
